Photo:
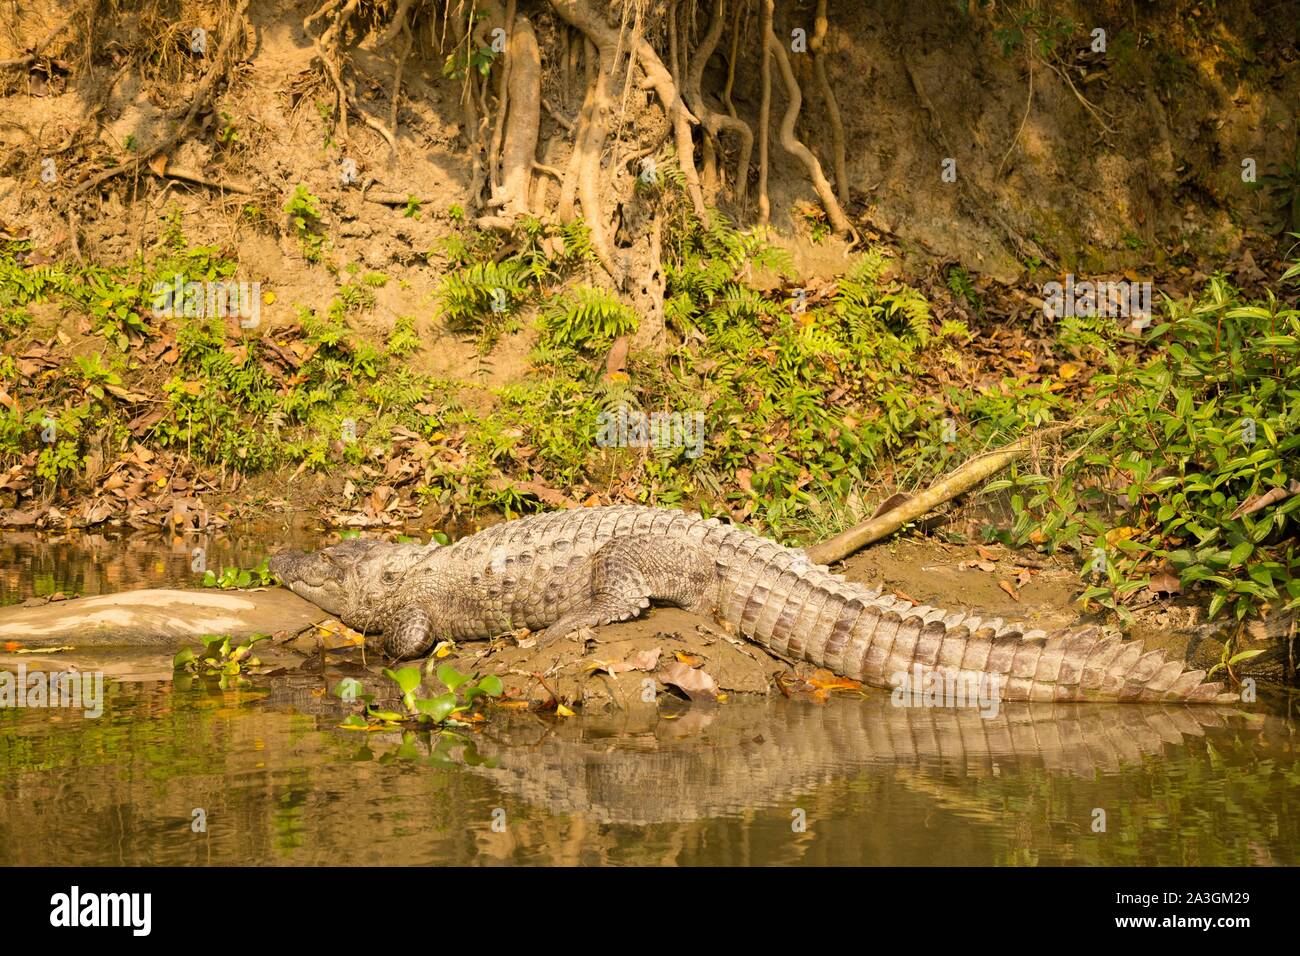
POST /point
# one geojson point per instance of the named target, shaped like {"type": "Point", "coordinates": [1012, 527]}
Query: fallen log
{"type": "Point", "coordinates": [974, 472]}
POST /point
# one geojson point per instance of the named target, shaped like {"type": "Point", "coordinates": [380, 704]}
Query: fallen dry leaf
{"type": "Point", "coordinates": [1258, 502]}
{"type": "Point", "coordinates": [696, 684]}
{"type": "Point", "coordinates": [1009, 588]}
{"type": "Point", "coordinates": [1165, 583]}
{"type": "Point", "coordinates": [641, 661]}
{"type": "Point", "coordinates": [825, 680]}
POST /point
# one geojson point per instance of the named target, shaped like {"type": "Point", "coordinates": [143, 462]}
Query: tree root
{"type": "Point", "coordinates": [764, 112]}
{"type": "Point", "coordinates": [818, 47]}
{"type": "Point", "coordinates": [457, 17]}
{"type": "Point", "coordinates": [397, 79]}
{"type": "Point", "coordinates": [565, 208]}
{"type": "Point", "coordinates": [732, 55]}
{"type": "Point", "coordinates": [503, 105]}
{"type": "Point", "coordinates": [712, 120]}
{"type": "Point", "coordinates": [581, 15]}
{"type": "Point", "coordinates": [972, 473]}
{"type": "Point", "coordinates": [839, 222]}
{"type": "Point", "coordinates": [36, 51]}
{"type": "Point", "coordinates": [327, 50]}
{"type": "Point", "coordinates": [523, 91]}
{"type": "Point", "coordinates": [234, 27]}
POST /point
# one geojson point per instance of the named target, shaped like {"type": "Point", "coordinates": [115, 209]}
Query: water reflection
{"type": "Point", "coordinates": [878, 785]}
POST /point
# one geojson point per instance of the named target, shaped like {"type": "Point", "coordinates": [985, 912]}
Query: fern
{"type": "Point", "coordinates": [471, 296]}
{"type": "Point", "coordinates": [586, 318]}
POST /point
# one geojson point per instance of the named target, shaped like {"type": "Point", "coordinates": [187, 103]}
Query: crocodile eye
{"type": "Point", "coordinates": [388, 577]}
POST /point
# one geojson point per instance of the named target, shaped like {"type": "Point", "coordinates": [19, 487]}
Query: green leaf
{"type": "Point", "coordinates": [407, 679]}
{"type": "Point", "coordinates": [183, 656]}
{"type": "Point", "coordinates": [491, 685]}
{"type": "Point", "coordinates": [451, 677]}
{"type": "Point", "coordinates": [437, 708]}
{"type": "Point", "coordinates": [1245, 656]}
{"type": "Point", "coordinates": [349, 688]}
{"type": "Point", "coordinates": [1239, 554]}
{"type": "Point", "coordinates": [1216, 604]}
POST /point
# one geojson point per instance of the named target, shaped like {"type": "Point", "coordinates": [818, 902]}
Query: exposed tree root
{"type": "Point", "coordinates": [524, 93]}
{"type": "Point", "coordinates": [581, 15]}
{"type": "Point", "coordinates": [818, 47]}
{"type": "Point", "coordinates": [327, 47]}
{"type": "Point", "coordinates": [409, 41]}
{"type": "Point", "coordinates": [234, 28]}
{"type": "Point", "coordinates": [834, 212]}
{"type": "Point", "coordinates": [565, 208]}
{"type": "Point", "coordinates": [764, 112]}
{"type": "Point", "coordinates": [712, 120]}
{"type": "Point", "coordinates": [503, 105]}
{"type": "Point", "coordinates": [732, 55]}
{"type": "Point", "coordinates": [457, 16]}
{"type": "Point", "coordinates": [969, 475]}
{"type": "Point", "coordinates": [36, 51]}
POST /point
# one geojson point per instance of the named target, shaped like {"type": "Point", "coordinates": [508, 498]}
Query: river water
{"type": "Point", "coordinates": [263, 776]}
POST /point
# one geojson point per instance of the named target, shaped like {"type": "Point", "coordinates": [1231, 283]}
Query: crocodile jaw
{"type": "Point", "coordinates": [312, 577]}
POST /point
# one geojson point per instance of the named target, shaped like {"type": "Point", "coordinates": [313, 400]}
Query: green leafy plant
{"type": "Point", "coordinates": [1190, 465]}
{"type": "Point", "coordinates": [232, 578]}
{"type": "Point", "coordinates": [586, 318]}
{"type": "Point", "coordinates": [221, 659]}
{"type": "Point", "coordinates": [304, 214]}
{"type": "Point", "coordinates": [465, 693]}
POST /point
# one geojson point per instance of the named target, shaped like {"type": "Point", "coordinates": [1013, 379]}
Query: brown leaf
{"type": "Point", "coordinates": [1010, 589]}
{"type": "Point", "coordinates": [696, 684]}
{"type": "Point", "coordinates": [641, 661]}
{"type": "Point", "coordinates": [117, 391]}
{"type": "Point", "coordinates": [1165, 583]}
{"type": "Point", "coordinates": [825, 680]}
{"type": "Point", "coordinates": [616, 361]}
{"type": "Point", "coordinates": [890, 503]}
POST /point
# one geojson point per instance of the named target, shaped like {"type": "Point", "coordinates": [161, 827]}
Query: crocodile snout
{"type": "Point", "coordinates": [290, 566]}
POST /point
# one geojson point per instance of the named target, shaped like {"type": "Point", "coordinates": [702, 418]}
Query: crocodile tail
{"type": "Point", "coordinates": [875, 640]}
{"type": "Point", "coordinates": [801, 611]}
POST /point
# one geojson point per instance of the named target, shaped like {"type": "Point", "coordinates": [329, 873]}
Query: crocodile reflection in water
{"type": "Point", "coordinates": [640, 769]}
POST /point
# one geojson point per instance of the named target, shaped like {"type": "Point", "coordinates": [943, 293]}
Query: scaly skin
{"type": "Point", "coordinates": [565, 570]}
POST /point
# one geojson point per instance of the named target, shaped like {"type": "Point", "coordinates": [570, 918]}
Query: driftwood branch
{"type": "Point", "coordinates": [972, 473]}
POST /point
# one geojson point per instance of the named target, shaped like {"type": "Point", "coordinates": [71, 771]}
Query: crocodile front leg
{"type": "Point", "coordinates": [409, 632]}
{"type": "Point", "coordinates": [630, 572]}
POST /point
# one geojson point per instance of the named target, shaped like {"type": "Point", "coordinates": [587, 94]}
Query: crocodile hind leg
{"type": "Point", "coordinates": [630, 572]}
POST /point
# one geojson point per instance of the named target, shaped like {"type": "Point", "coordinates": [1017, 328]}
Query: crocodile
{"type": "Point", "coordinates": [561, 571]}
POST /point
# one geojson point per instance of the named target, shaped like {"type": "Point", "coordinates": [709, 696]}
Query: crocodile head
{"type": "Point", "coordinates": [356, 580]}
